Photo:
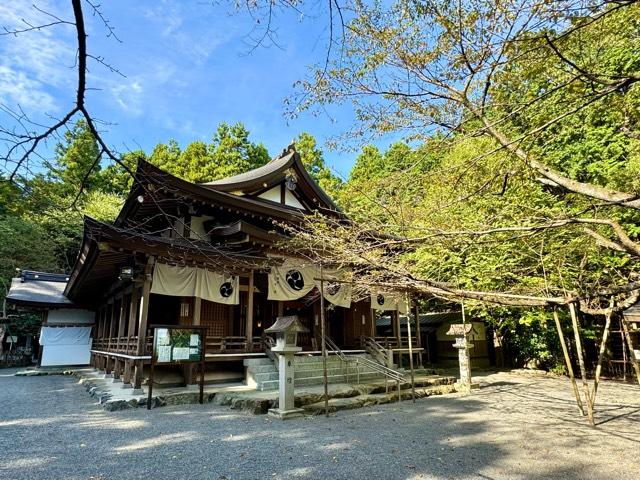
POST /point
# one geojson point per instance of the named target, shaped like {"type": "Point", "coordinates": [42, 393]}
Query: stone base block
{"type": "Point", "coordinates": [461, 386]}
{"type": "Point", "coordinates": [286, 414]}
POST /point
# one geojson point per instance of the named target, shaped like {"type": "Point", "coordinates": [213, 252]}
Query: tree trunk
{"type": "Point", "coordinates": [567, 360]}
{"type": "Point", "coordinates": [634, 360]}
{"type": "Point", "coordinates": [583, 370]}
{"type": "Point", "coordinates": [603, 345]}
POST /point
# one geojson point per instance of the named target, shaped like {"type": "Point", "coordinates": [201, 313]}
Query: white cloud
{"type": "Point", "coordinates": [128, 95]}
{"type": "Point", "coordinates": [17, 89]}
{"type": "Point", "coordinates": [35, 62]}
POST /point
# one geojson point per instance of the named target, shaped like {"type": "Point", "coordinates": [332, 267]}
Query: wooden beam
{"type": "Point", "coordinates": [142, 322]}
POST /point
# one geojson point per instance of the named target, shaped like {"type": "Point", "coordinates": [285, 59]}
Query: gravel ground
{"type": "Point", "coordinates": [514, 427]}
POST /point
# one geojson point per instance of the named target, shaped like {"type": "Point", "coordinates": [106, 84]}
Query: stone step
{"type": "Point", "coordinates": [249, 362]}
{"type": "Point", "coordinates": [317, 366]}
{"type": "Point", "coordinates": [262, 368]}
{"type": "Point", "coordinates": [367, 400]}
{"type": "Point", "coordinates": [316, 373]}
{"type": "Point", "coordinates": [318, 380]}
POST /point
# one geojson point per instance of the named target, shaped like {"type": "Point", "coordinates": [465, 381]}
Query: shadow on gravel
{"type": "Point", "coordinates": [524, 429]}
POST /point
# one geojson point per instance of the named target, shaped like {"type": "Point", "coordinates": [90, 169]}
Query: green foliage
{"type": "Point", "coordinates": [117, 178]}
{"type": "Point", "coordinates": [77, 159]}
{"type": "Point", "coordinates": [313, 161]}
{"type": "Point", "coordinates": [23, 244]}
{"type": "Point", "coordinates": [229, 153]}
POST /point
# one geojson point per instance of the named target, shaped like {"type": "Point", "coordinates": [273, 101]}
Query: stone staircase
{"type": "Point", "coordinates": [262, 373]}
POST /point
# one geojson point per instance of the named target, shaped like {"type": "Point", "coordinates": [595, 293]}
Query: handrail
{"type": "Point", "coordinates": [268, 343]}
{"type": "Point", "coordinates": [386, 371]}
{"type": "Point", "coordinates": [373, 348]}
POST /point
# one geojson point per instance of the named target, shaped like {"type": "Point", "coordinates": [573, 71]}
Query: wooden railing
{"type": "Point", "coordinates": [124, 345]}
{"type": "Point", "coordinates": [392, 342]}
{"type": "Point", "coordinates": [129, 345]}
{"type": "Point", "coordinates": [233, 344]}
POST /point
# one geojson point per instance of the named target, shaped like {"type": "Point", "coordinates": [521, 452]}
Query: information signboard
{"type": "Point", "coordinates": [176, 345]}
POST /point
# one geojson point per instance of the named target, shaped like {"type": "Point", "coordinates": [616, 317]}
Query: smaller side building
{"type": "Point", "coordinates": [65, 335]}
{"type": "Point", "coordinates": [438, 346]}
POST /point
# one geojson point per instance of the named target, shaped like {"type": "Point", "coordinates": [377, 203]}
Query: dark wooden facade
{"type": "Point", "coordinates": [233, 225]}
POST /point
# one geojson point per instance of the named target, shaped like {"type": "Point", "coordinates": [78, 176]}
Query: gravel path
{"type": "Point", "coordinates": [515, 427]}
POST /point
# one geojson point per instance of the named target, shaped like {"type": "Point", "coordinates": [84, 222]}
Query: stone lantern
{"type": "Point", "coordinates": [462, 331]}
{"type": "Point", "coordinates": [286, 330]}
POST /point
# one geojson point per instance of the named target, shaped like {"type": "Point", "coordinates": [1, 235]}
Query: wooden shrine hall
{"type": "Point", "coordinates": [209, 255]}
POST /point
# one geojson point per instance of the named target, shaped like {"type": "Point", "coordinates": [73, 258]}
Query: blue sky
{"type": "Point", "coordinates": [188, 66]}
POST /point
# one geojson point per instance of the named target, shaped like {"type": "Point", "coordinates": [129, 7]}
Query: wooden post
{"type": "Point", "coordinates": [112, 332]}
{"type": "Point", "coordinates": [131, 331]}
{"type": "Point", "coordinates": [583, 370]}
{"type": "Point", "coordinates": [249, 329]}
{"type": "Point", "coordinates": [197, 310]}
{"type": "Point", "coordinates": [603, 344]}
{"type": "Point", "coordinates": [416, 314]}
{"type": "Point", "coordinates": [413, 381]}
{"type": "Point", "coordinates": [373, 323]}
{"type": "Point", "coordinates": [634, 360]}
{"type": "Point", "coordinates": [466, 346]}
{"type": "Point", "coordinates": [121, 324]}
{"type": "Point", "coordinates": [142, 324]}
{"type": "Point", "coordinates": [567, 360]}
{"type": "Point", "coordinates": [324, 346]}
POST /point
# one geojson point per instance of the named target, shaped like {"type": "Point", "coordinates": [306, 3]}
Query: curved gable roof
{"type": "Point", "coordinates": [256, 177]}
{"type": "Point", "coordinates": [271, 174]}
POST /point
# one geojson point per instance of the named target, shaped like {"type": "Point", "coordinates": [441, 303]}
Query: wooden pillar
{"type": "Point", "coordinates": [395, 318]}
{"type": "Point", "coordinates": [416, 314]}
{"type": "Point", "coordinates": [323, 347]}
{"type": "Point", "coordinates": [189, 370]}
{"type": "Point", "coordinates": [142, 324]}
{"type": "Point", "coordinates": [101, 318]}
{"type": "Point", "coordinates": [373, 323]}
{"type": "Point", "coordinates": [111, 331]}
{"type": "Point", "coordinates": [413, 380]}
{"type": "Point", "coordinates": [249, 328]}
{"type": "Point", "coordinates": [118, 364]}
{"type": "Point", "coordinates": [131, 332]}
{"type": "Point", "coordinates": [197, 309]}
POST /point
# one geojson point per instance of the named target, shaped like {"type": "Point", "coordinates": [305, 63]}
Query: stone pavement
{"type": "Point", "coordinates": [515, 427]}
{"type": "Point", "coordinates": [112, 396]}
